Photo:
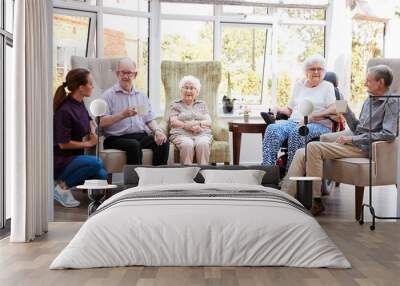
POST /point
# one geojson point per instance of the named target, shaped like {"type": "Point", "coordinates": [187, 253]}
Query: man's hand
{"type": "Point", "coordinates": [344, 139]}
{"type": "Point", "coordinates": [159, 137]}
{"type": "Point", "coordinates": [128, 112]}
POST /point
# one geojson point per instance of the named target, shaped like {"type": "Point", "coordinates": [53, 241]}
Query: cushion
{"type": "Point", "coordinates": [166, 176]}
{"type": "Point", "coordinates": [249, 177]}
{"type": "Point", "coordinates": [270, 179]}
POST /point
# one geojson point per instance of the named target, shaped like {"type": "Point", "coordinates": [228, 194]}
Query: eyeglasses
{"type": "Point", "coordinates": [188, 87]}
{"type": "Point", "coordinates": [127, 73]}
{"type": "Point", "coordinates": [315, 69]}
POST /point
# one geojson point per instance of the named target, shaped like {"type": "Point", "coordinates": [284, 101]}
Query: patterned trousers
{"type": "Point", "coordinates": [277, 133]}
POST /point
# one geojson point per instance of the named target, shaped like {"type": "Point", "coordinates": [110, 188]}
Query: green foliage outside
{"type": "Point", "coordinates": [284, 87]}
{"type": "Point", "coordinates": [243, 51]}
{"type": "Point", "coordinates": [367, 43]}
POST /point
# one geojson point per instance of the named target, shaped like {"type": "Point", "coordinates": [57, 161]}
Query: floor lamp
{"type": "Point", "coordinates": [369, 205]}
{"type": "Point", "coordinates": [304, 184]}
{"type": "Point", "coordinates": [98, 108]}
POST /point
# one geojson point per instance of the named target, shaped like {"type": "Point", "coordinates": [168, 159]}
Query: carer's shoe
{"type": "Point", "coordinates": [65, 197]}
{"type": "Point", "coordinates": [317, 208]}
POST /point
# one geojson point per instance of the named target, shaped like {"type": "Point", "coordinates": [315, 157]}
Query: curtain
{"type": "Point", "coordinates": [27, 120]}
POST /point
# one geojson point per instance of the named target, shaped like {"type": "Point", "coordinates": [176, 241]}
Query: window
{"type": "Point", "coordinates": [303, 14]}
{"type": "Point", "coordinates": [367, 43]}
{"type": "Point", "coordinates": [9, 9]}
{"type": "Point", "coordinates": [73, 34]}
{"type": "Point", "coordinates": [187, 9]}
{"type": "Point", "coordinates": [247, 10]}
{"type": "Point", "coordinates": [126, 36]}
{"type": "Point", "coordinates": [137, 5]}
{"type": "Point", "coordinates": [243, 61]}
{"type": "Point", "coordinates": [6, 43]}
{"type": "Point", "coordinates": [186, 40]}
{"type": "Point", "coordinates": [295, 44]}
{"type": "Point", "coordinates": [8, 80]}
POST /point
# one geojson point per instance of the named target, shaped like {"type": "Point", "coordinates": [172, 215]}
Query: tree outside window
{"type": "Point", "coordinates": [367, 43]}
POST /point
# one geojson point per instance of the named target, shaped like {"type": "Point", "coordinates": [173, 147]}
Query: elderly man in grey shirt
{"type": "Point", "coordinates": [353, 143]}
{"type": "Point", "coordinates": [129, 119]}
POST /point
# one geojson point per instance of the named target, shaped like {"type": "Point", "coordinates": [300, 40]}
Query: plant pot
{"type": "Point", "coordinates": [227, 104]}
{"type": "Point", "coordinates": [227, 107]}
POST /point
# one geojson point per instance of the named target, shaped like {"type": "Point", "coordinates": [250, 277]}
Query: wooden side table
{"type": "Point", "coordinates": [239, 127]}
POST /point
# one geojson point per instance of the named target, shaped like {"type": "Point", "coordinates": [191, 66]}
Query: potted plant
{"type": "Point", "coordinates": [227, 101]}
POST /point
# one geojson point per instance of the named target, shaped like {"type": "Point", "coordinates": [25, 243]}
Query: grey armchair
{"type": "Point", "coordinates": [355, 171]}
{"type": "Point", "coordinates": [104, 76]}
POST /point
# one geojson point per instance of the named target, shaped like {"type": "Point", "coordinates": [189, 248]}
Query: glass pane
{"type": "Point", "coordinates": [367, 43]}
{"type": "Point", "coordinates": [128, 37]}
{"type": "Point", "coordinates": [303, 14]}
{"type": "Point", "coordinates": [185, 41]}
{"type": "Point", "coordinates": [135, 5]}
{"type": "Point", "coordinates": [1, 16]}
{"type": "Point", "coordinates": [248, 10]}
{"type": "Point", "coordinates": [295, 44]}
{"type": "Point", "coordinates": [187, 9]}
{"type": "Point", "coordinates": [243, 52]}
{"type": "Point", "coordinates": [8, 81]}
{"type": "Point", "coordinates": [90, 2]}
{"type": "Point", "coordinates": [70, 38]}
{"type": "Point", "coordinates": [9, 15]}
{"type": "Point", "coordinates": [2, 111]}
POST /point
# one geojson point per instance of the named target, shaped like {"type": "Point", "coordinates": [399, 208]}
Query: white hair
{"type": "Point", "coordinates": [191, 79]}
{"type": "Point", "coordinates": [312, 60]}
{"type": "Point", "coordinates": [127, 61]}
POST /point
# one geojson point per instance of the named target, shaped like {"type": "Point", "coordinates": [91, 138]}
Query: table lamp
{"type": "Point", "coordinates": [98, 108]}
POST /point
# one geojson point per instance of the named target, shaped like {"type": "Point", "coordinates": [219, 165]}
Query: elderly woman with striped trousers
{"type": "Point", "coordinates": [313, 88]}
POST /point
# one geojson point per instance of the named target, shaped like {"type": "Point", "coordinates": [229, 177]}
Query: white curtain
{"type": "Point", "coordinates": [27, 120]}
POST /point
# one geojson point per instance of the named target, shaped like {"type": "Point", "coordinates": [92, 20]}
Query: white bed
{"type": "Point", "coordinates": [248, 229]}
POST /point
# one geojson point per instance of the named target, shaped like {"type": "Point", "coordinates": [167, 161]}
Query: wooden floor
{"type": "Point", "coordinates": [374, 255]}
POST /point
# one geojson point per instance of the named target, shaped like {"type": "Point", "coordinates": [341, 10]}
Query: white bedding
{"type": "Point", "coordinates": [185, 231]}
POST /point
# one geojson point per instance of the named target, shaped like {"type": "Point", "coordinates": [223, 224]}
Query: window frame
{"type": "Point", "coordinates": [6, 40]}
{"type": "Point", "coordinates": [155, 17]}
{"type": "Point", "coordinates": [267, 62]}
{"type": "Point", "coordinates": [90, 47]}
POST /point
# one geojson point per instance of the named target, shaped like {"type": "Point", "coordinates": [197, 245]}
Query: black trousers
{"type": "Point", "coordinates": [133, 144]}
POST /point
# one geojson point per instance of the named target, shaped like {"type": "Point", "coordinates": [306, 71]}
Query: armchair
{"type": "Point", "coordinates": [104, 76]}
{"type": "Point", "coordinates": [209, 74]}
{"type": "Point", "coordinates": [384, 155]}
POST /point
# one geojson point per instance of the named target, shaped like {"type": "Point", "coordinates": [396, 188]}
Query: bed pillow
{"type": "Point", "coordinates": [166, 176]}
{"type": "Point", "coordinates": [249, 177]}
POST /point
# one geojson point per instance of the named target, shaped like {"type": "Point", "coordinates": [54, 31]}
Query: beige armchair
{"type": "Point", "coordinates": [209, 74]}
{"type": "Point", "coordinates": [355, 171]}
{"type": "Point", "coordinates": [104, 76]}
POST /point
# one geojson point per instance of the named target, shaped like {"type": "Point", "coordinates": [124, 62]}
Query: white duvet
{"type": "Point", "coordinates": [190, 231]}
